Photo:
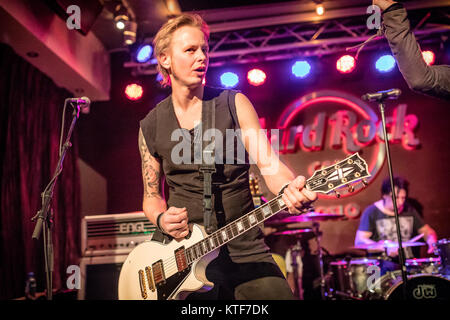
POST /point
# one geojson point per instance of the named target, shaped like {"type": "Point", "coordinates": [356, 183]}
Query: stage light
{"type": "Point", "coordinates": [429, 57]}
{"type": "Point", "coordinates": [229, 79]}
{"type": "Point", "coordinates": [301, 69]}
{"type": "Point", "coordinates": [256, 77]}
{"type": "Point", "coordinates": [320, 10]}
{"type": "Point", "coordinates": [120, 25]}
{"type": "Point", "coordinates": [385, 63]}
{"type": "Point", "coordinates": [129, 33]}
{"type": "Point", "coordinates": [144, 53]}
{"type": "Point", "coordinates": [134, 91]}
{"type": "Point", "coordinates": [346, 64]}
{"type": "Point", "coordinates": [121, 16]}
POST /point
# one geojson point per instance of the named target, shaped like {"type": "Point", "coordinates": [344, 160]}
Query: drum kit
{"type": "Point", "coordinates": [371, 278]}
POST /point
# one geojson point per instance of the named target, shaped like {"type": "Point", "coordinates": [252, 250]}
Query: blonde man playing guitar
{"type": "Point", "coordinates": [244, 268]}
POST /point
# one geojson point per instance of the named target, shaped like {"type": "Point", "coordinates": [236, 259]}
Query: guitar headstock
{"type": "Point", "coordinates": [342, 173]}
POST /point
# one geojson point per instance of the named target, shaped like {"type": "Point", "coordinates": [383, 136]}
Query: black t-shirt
{"type": "Point", "coordinates": [383, 226]}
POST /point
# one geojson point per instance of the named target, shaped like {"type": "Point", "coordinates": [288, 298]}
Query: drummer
{"type": "Point", "coordinates": [378, 223]}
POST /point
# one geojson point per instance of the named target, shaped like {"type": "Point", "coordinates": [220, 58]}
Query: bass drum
{"type": "Point", "coordinates": [423, 287]}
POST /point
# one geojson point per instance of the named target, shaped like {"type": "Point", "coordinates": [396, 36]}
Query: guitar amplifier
{"type": "Point", "coordinates": [100, 277]}
{"type": "Point", "coordinates": [114, 234]}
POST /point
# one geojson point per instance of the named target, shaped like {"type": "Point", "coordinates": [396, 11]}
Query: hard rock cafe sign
{"type": "Point", "coordinates": [332, 122]}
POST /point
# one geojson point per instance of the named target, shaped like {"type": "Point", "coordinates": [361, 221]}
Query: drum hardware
{"type": "Point", "coordinates": [385, 245]}
{"type": "Point", "coordinates": [345, 295]}
{"type": "Point", "coordinates": [291, 222]}
{"type": "Point", "coordinates": [442, 249]}
{"type": "Point", "coordinates": [318, 236]}
{"type": "Point", "coordinates": [348, 259]}
{"type": "Point", "coordinates": [295, 251]}
{"type": "Point", "coordinates": [423, 266]}
{"type": "Point", "coordinates": [308, 217]}
{"type": "Point", "coordinates": [348, 278]}
{"type": "Point", "coordinates": [293, 232]}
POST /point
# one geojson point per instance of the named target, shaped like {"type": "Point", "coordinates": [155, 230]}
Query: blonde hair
{"type": "Point", "coordinates": [163, 38]}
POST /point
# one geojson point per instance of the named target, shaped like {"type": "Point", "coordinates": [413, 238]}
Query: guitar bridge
{"type": "Point", "coordinates": [148, 273]}
{"type": "Point", "coordinates": [142, 284]}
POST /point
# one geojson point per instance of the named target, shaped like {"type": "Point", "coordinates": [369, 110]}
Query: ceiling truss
{"type": "Point", "coordinates": [298, 40]}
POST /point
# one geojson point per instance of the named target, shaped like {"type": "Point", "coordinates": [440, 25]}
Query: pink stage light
{"type": "Point", "coordinates": [429, 57]}
{"type": "Point", "coordinates": [256, 77]}
{"type": "Point", "coordinates": [346, 64]}
{"type": "Point", "coordinates": [134, 91]}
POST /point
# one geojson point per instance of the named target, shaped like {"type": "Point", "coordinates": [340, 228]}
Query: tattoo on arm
{"type": "Point", "coordinates": [150, 170]}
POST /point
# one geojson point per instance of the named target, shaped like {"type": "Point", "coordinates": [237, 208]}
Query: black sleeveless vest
{"type": "Point", "coordinates": [231, 192]}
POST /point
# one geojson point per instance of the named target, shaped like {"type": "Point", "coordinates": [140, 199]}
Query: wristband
{"type": "Point", "coordinates": [282, 188]}
{"type": "Point", "coordinates": [158, 222]}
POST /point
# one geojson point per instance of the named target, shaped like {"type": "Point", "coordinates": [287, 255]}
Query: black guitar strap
{"type": "Point", "coordinates": [208, 167]}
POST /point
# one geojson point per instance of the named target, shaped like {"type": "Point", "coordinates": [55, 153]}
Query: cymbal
{"type": "Point", "coordinates": [310, 216]}
{"type": "Point", "coordinates": [296, 232]}
{"type": "Point", "coordinates": [387, 244]}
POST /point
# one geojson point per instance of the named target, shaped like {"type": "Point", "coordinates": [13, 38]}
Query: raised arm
{"type": "Point", "coordinates": [275, 173]}
{"type": "Point", "coordinates": [432, 80]}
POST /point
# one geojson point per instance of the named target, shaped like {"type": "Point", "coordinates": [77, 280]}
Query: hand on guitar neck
{"type": "Point", "coordinates": [297, 197]}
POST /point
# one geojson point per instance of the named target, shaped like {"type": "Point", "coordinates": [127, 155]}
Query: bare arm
{"type": "Point", "coordinates": [174, 221]}
{"type": "Point", "coordinates": [153, 203]}
{"type": "Point", "coordinates": [363, 237]}
{"type": "Point", "coordinates": [430, 236]}
{"type": "Point", "coordinates": [275, 173]}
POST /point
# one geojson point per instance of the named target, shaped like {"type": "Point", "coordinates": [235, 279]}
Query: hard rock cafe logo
{"type": "Point", "coordinates": [338, 121]}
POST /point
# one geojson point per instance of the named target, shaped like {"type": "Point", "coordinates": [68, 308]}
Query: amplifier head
{"type": "Point", "coordinates": [112, 234]}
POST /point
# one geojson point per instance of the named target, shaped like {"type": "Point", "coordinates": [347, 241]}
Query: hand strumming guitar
{"type": "Point", "coordinates": [174, 222]}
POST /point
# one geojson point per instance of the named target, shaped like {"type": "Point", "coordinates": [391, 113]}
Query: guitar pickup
{"type": "Point", "coordinates": [158, 273]}
{"type": "Point", "coordinates": [180, 257]}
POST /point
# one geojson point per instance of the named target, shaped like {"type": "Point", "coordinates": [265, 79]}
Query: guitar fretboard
{"type": "Point", "coordinates": [324, 180]}
{"type": "Point", "coordinates": [234, 229]}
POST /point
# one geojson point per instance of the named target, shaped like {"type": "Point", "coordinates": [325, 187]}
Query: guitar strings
{"type": "Point", "coordinates": [170, 264]}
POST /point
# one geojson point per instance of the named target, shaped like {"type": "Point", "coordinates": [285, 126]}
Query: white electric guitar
{"type": "Point", "coordinates": [156, 271]}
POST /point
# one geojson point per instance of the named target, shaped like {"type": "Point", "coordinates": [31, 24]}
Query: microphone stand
{"type": "Point", "coordinates": [44, 219]}
{"type": "Point", "coordinates": [381, 105]}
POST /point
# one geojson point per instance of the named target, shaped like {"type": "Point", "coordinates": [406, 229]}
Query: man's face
{"type": "Point", "coordinates": [401, 198]}
{"type": "Point", "coordinates": [187, 57]}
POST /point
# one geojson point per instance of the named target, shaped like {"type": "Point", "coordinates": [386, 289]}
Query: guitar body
{"type": "Point", "coordinates": [135, 284]}
{"type": "Point", "coordinates": [155, 271]}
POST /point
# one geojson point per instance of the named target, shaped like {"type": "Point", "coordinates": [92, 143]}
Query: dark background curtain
{"type": "Point", "coordinates": [31, 107]}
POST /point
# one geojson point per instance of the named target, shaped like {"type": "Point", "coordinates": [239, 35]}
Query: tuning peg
{"type": "Point", "coordinates": [364, 182]}
{"type": "Point", "coordinates": [350, 188]}
{"type": "Point", "coordinates": [337, 194]}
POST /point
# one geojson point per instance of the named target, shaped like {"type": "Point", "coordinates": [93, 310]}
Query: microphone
{"type": "Point", "coordinates": [381, 95]}
{"type": "Point", "coordinates": [83, 102]}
